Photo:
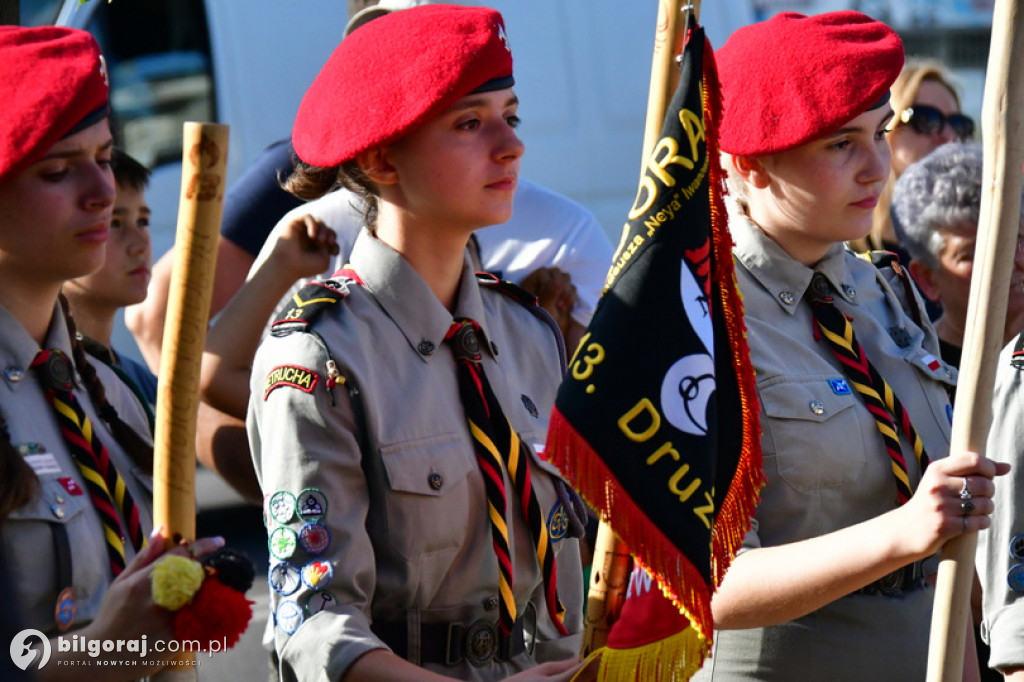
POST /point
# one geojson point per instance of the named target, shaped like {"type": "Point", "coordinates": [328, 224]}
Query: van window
{"type": "Point", "coordinates": [158, 57]}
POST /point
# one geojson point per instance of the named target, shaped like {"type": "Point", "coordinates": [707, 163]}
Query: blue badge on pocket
{"type": "Point", "coordinates": [1015, 578]}
{"type": "Point", "coordinates": [289, 616]}
{"type": "Point", "coordinates": [839, 386]}
{"type": "Point", "coordinates": [284, 578]}
{"type": "Point", "coordinates": [558, 523]}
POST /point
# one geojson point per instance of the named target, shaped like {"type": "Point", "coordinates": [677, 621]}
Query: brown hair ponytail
{"type": "Point", "coordinates": [137, 448]}
{"type": "Point", "coordinates": [17, 480]}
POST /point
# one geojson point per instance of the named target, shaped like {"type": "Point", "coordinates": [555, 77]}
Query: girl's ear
{"type": "Point", "coordinates": [375, 165]}
{"type": "Point", "coordinates": [753, 170]}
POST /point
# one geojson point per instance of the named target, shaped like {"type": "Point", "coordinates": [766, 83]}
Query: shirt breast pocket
{"type": "Point", "coordinates": [28, 548]}
{"type": "Point", "coordinates": [432, 498]}
{"type": "Point", "coordinates": [813, 436]}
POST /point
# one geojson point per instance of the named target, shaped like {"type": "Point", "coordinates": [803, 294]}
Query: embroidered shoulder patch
{"type": "Point", "coordinates": [307, 304]}
{"type": "Point", "coordinates": [292, 376]}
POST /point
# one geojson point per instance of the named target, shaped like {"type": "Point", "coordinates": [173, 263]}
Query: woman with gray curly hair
{"type": "Point", "coordinates": [935, 208]}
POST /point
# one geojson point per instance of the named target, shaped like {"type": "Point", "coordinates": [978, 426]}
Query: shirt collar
{"type": "Point", "coordinates": [18, 349]}
{"type": "Point", "coordinates": [408, 300]}
{"type": "Point", "coordinates": [784, 277]}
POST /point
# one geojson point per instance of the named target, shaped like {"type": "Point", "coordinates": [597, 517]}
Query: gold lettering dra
{"type": "Point", "coordinates": [693, 126]}
{"type": "Point", "coordinates": [627, 421]}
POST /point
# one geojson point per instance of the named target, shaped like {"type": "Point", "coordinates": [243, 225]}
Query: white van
{"type": "Point", "coordinates": [582, 70]}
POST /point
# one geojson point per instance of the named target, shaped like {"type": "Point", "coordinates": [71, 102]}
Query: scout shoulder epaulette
{"type": "Point", "coordinates": [888, 259]}
{"type": "Point", "coordinates": [311, 301]}
{"type": "Point", "coordinates": [529, 301]}
{"type": "Point", "coordinates": [514, 291]}
{"type": "Point", "coordinates": [1017, 359]}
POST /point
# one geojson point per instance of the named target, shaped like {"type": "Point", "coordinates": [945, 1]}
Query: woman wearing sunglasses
{"type": "Point", "coordinates": [926, 115]}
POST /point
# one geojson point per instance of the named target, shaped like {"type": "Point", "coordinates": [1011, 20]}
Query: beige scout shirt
{"type": "Point", "coordinates": [825, 462]}
{"type": "Point", "coordinates": [1000, 557]}
{"type": "Point", "coordinates": [433, 561]}
{"type": "Point", "coordinates": [63, 498]}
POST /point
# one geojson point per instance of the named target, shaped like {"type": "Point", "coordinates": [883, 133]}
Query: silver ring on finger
{"type": "Point", "coordinates": [965, 490]}
{"type": "Point", "coordinates": [966, 506]}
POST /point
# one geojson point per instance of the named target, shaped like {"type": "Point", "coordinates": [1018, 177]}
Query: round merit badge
{"type": "Point", "coordinates": [314, 537]}
{"type": "Point", "coordinates": [282, 543]}
{"type": "Point", "coordinates": [289, 616]}
{"type": "Point", "coordinates": [65, 609]}
{"type": "Point", "coordinates": [1015, 578]}
{"type": "Point", "coordinates": [284, 578]}
{"type": "Point", "coordinates": [282, 506]}
{"type": "Point", "coordinates": [312, 504]}
{"type": "Point", "coordinates": [317, 574]}
{"type": "Point", "coordinates": [318, 601]}
{"type": "Point", "coordinates": [1017, 547]}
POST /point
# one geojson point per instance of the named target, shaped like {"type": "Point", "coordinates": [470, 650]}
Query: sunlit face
{"type": "Point", "coordinates": [124, 276]}
{"type": "Point", "coordinates": [951, 282]}
{"type": "Point", "coordinates": [460, 169]}
{"type": "Point", "coordinates": [824, 191]}
{"type": "Point", "coordinates": [907, 144]}
{"type": "Point", "coordinates": [55, 214]}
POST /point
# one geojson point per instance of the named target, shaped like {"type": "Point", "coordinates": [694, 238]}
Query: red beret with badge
{"type": "Point", "coordinates": [53, 82]}
{"type": "Point", "coordinates": [794, 78]}
{"type": "Point", "coordinates": [395, 73]}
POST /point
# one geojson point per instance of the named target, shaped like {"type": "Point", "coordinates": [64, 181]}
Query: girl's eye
{"type": "Point", "coordinates": [513, 121]}
{"type": "Point", "coordinates": [115, 223]}
{"type": "Point", "coordinates": [840, 144]}
{"type": "Point", "coordinates": [143, 222]}
{"type": "Point", "coordinates": [471, 124]}
{"type": "Point", "coordinates": [55, 175]}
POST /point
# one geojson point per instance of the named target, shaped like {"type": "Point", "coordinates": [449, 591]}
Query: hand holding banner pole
{"type": "Point", "coordinates": [998, 226]}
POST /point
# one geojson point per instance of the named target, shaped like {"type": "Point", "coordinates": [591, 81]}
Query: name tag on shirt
{"type": "Point", "coordinates": [43, 463]}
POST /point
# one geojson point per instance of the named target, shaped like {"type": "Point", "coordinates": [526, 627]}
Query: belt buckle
{"type": "Point", "coordinates": [891, 584]}
{"type": "Point", "coordinates": [481, 643]}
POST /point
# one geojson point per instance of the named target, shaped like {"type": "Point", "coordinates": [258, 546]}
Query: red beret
{"type": "Point", "coordinates": [394, 74]}
{"type": "Point", "coordinates": [52, 79]}
{"type": "Point", "coordinates": [793, 78]}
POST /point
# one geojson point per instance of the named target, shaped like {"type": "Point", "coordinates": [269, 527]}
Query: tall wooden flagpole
{"type": "Point", "coordinates": [998, 225]}
{"type": "Point", "coordinates": [612, 562]}
{"type": "Point", "coordinates": [203, 176]}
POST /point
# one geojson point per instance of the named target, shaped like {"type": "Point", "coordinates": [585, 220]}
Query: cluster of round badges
{"type": "Point", "coordinates": [313, 537]}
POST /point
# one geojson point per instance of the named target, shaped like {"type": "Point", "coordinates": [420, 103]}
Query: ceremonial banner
{"type": "Point", "coordinates": [655, 422]}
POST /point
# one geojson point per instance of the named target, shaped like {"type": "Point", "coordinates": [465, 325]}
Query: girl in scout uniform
{"type": "Point", "coordinates": [831, 582]}
{"type": "Point", "coordinates": [79, 561]}
{"type": "Point", "coordinates": [400, 548]}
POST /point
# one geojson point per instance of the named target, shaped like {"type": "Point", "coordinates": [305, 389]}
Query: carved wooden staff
{"type": "Point", "coordinates": [612, 562]}
{"type": "Point", "coordinates": [203, 174]}
{"type": "Point", "coordinates": [998, 225]}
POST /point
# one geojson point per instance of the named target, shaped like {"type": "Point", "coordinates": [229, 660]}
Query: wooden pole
{"type": "Point", "coordinates": [613, 563]}
{"type": "Point", "coordinates": [998, 225]}
{"type": "Point", "coordinates": [203, 175]}
{"type": "Point", "coordinates": [204, 158]}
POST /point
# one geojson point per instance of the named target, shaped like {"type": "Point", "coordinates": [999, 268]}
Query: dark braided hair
{"type": "Point", "coordinates": [18, 483]}
{"type": "Point", "coordinates": [137, 448]}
